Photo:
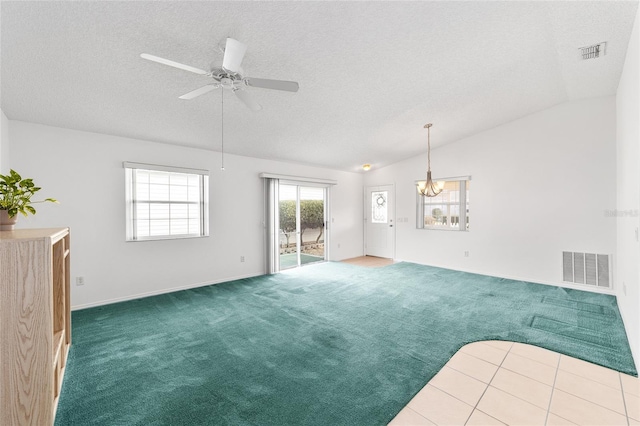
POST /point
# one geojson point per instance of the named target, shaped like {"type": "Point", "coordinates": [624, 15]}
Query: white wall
{"type": "Point", "coordinates": [540, 185]}
{"type": "Point", "coordinates": [84, 172]}
{"type": "Point", "coordinates": [628, 184]}
{"type": "Point", "coordinates": [4, 143]}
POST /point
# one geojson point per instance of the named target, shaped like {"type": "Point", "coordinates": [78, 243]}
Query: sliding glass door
{"type": "Point", "coordinates": [302, 211]}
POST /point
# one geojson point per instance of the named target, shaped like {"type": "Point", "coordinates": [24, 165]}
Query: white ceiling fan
{"type": "Point", "coordinates": [229, 76]}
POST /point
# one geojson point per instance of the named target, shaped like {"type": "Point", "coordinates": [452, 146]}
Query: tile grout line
{"type": "Point", "coordinates": [530, 359]}
{"type": "Point", "coordinates": [420, 414]}
{"type": "Point", "coordinates": [591, 365]}
{"type": "Point", "coordinates": [583, 376]}
{"type": "Point", "coordinates": [534, 359]}
{"type": "Point", "coordinates": [597, 404]}
{"type": "Point", "coordinates": [474, 378]}
{"type": "Point", "coordinates": [462, 372]}
{"type": "Point", "coordinates": [624, 400]}
{"type": "Point", "coordinates": [586, 400]}
{"type": "Point", "coordinates": [475, 407]}
{"type": "Point", "coordinates": [553, 387]}
{"type": "Point", "coordinates": [519, 374]}
{"type": "Point", "coordinates": [451, 395]}
{"type": "Point", "coordinates": [591, 403]}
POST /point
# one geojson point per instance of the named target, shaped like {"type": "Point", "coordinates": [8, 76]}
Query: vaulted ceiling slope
{"type": "Point", "coordinates": [371, 74]}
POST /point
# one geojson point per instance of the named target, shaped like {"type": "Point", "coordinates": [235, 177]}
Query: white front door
{"type": "Point", "coordinates": [380, 228]}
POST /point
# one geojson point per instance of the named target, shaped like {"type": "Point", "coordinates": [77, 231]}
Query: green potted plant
{"type": "Point", "coordinates": [15, 197]}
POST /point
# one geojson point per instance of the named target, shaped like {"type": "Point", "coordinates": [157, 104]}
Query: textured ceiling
{"type": "Point", "coordinates": [371, 74]}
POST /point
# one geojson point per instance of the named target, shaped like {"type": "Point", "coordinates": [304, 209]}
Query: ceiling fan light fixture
{"type": "Point", "coordinates": [429, 188]}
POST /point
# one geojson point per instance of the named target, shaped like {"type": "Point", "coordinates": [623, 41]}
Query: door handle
{"type": "Point", "coordinates": [390, 226]}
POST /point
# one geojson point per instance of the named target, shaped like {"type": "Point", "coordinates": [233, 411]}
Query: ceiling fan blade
{"type": "Point", "coordinates": [289, 86]}
{"type": "Point", "coordinates": [246, 98]}
{"type": "Point", "coordinates": [233, 54]}
{"type": "Point", "coordinates": [172, 64]}
{"type": "Point", "coordinates": [200, 91]}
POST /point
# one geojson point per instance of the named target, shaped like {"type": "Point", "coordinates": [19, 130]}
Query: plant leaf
{"type": "Point", "coordinates": [16, 193]}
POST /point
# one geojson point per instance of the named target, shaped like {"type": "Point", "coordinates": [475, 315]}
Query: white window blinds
{"type": "Point", "coordinates": [166, 202]}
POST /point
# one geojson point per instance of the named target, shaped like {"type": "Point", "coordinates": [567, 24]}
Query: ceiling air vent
{"type": "Point", "coordinates": [594, 51]}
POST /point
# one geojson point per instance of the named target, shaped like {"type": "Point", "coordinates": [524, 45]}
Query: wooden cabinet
{"type": "Point", "coordinates": [35, 323]}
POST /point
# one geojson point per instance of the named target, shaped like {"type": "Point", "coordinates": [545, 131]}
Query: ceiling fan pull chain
{"type": "Point", "coordinates": [222, 130]}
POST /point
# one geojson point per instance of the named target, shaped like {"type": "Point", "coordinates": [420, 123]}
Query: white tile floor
{"type": "Point", "coordinates": [498, 383]}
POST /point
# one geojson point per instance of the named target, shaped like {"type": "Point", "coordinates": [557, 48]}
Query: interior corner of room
{"type": "Point", "coordinates": [556, 170]}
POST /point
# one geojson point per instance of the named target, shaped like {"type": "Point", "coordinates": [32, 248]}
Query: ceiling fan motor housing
{"type": "Point", "coordinates": [225, 78]}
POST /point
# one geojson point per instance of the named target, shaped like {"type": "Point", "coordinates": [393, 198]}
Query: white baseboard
{"type": "Point", "coordinates": [158, 292]}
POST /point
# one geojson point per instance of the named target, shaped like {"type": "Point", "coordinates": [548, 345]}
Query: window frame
{"type": "Point", "coordinates": [462, 206]}
{"type": "Point", "coordinates": [131, 200]}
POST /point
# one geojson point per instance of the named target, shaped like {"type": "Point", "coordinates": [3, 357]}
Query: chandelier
{"type": "Point", "coordinates": [429, 188]}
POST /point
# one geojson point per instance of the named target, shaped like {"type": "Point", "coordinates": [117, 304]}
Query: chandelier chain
{"type": "Point", "coordinates": [429, 148]}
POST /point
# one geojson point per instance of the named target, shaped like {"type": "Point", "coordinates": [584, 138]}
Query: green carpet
{"type": "Point", "coordinates": [328, 344]}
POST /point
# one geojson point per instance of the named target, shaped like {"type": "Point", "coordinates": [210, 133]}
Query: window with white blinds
{"type": "Point", "coordinates": [166, 202]}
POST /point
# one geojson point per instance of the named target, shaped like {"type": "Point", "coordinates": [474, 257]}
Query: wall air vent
{"type": "Point", "coordinates": [594, 51]}
{"type": "Point", "coordinates": [586, 268]}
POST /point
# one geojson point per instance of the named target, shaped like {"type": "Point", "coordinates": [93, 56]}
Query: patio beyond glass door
{"type": "Point", "coordinates": [302, 225]}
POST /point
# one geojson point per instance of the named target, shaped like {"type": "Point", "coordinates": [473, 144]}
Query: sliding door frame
{"type": "Point", "coordinates": [271, 215]}
{"type": "Point", "coordinates": [326, 192]}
